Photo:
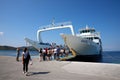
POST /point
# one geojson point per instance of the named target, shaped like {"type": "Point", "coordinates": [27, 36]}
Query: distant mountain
{"type": "Point", "coordinates": [7, 48]}
{"type": "Point", "coordinates": [14, 48]}
{"type": "Point", "coordinates": [29, 47]}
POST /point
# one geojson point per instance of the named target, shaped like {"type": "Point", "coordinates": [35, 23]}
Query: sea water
{"type": "Point", "coordinates": [111, 57]}
{"type": "Point", "coordinates": [107, 56]}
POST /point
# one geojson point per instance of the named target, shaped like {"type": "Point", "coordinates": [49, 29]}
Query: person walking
{"type": "Point", "coordinates": [41, 54]}
{"type": "Point", "coordinates": [58, 52]}
{"type": "Point", "coordinates": [55, 53]}
{"type": "Point", "coordinates": [25, 60]}
{"type": "Point", "coordinates": [43, 51]}
{"type": "Point", "coordinates": [18, 54]}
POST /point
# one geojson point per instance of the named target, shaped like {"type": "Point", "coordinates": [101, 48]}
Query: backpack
{"type": "Point", "coordinates": [26, 55]}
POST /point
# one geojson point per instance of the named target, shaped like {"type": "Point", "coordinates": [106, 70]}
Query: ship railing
{"type": "Point", "coordinates": [96, 34]}
{"type": "Point", "coordinates": [56, 25]}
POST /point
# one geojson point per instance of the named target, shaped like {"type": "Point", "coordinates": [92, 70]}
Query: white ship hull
{"type": "Point", "coordinates": [82, 46]}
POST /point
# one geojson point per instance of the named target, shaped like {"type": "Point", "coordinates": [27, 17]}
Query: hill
{"type": "Point", "coordinates": [14, 48]}
{"type": "Point", "coordinates": [7, 48]}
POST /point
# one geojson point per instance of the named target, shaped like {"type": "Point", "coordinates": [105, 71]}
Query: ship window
{"type": "Point", "coordinates": [96, 38]}
{"type": "Point", "coordinates": [81, 31]}
{"type": "Point", "coordinates": [97, 43]}
{"type": "Point", "coordinates": [88, 30]}
{"type": "Point", "coordinates": [84, 31]}
{"type": "Point", "coordinates": [92, 30]}
{"type": "Point", "coordinates": [90, 38]}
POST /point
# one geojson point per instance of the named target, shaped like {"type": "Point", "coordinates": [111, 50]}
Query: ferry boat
{"type": "Point", "coordinates": [87, 42]}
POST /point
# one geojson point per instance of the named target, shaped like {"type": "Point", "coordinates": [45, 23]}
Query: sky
{"type": "Point", "coordinates": [22, 18]}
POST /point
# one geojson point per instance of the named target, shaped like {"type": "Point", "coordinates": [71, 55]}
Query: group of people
{"type": "Point", "coordinates": [47, 54]}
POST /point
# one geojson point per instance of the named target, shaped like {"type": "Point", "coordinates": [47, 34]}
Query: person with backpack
{"type": "Point", "coordinates": [25, 60]}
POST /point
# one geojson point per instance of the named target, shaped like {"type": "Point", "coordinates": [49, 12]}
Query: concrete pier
{"type": "Point", "coordinates": [58, 70]}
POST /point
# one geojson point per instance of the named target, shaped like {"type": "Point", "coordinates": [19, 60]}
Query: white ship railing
{"type": "Point", "coordinates": [95, 34]}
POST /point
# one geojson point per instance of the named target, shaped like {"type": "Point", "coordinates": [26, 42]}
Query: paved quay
{"type": "Point", "coordinates": [58, 70]}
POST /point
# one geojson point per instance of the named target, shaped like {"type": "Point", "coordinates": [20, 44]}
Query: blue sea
{"type": "Point", "coordinates": [107, 56]}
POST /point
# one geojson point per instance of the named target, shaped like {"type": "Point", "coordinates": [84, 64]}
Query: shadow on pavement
{"type": "Point", "coordinates": [36, 73]}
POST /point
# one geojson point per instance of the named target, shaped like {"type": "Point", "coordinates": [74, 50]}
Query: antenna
{"type": "Point", "coordinates": [53, 22]}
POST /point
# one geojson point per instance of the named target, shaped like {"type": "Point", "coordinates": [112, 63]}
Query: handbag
{"type": "Point", "coordinates": [31, 63]}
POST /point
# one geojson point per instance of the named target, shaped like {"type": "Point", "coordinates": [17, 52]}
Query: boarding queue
{"type": "Point", "coordinates": [48, 54]}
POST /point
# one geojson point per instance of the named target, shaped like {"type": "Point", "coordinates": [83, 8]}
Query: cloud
{"type": "Point", "coordinates": [1, 33]}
